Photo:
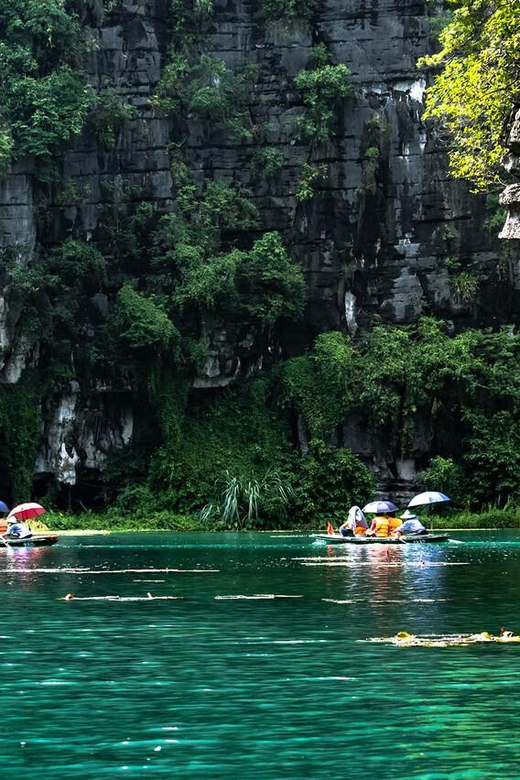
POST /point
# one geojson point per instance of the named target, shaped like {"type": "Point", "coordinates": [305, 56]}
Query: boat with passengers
{"type": "Point", "coordinates": [386, 527]}
{"type": "Point", "coordinates": [384, 540]}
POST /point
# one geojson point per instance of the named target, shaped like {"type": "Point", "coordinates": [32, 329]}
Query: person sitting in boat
{"type": "Point", "coordinates": [380, 525]}
{"type": "Point", "coordinates": [18, 530]}
{"type": "Point", "coordinates": [357, 521]}
{"type": "Point", "coordinates": [345, 529]}
{"type": "Point", "coordinates": [410, 525]}
{"type": "Point", "coordinates": [355, 524]}
{"type": "Point", "coordinates": [393, 523]}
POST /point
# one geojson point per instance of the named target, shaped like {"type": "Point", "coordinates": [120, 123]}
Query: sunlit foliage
{"type": "Point", "coordinates": [477, 74]}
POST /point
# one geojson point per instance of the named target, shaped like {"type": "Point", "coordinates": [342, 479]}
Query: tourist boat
{"type": "Point", "coordinates": [36, 540]}
{"type": "Point", "coordinates": [416, 539]}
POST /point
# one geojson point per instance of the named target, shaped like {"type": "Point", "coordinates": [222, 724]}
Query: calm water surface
{"type": "Point", "coordinates": [214, 684]}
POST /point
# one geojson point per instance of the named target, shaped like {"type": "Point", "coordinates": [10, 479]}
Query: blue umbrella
{"type": "Point", "coordinates": [375, 507]}
{"type": "Point", "coordinates": [3, 507]}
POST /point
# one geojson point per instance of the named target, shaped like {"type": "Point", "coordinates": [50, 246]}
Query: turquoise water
{"type": "Point", "coordinates": [214, 684]}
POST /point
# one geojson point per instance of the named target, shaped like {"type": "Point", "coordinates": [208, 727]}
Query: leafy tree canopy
{"type": "Point", "coordinates": [479, 63]}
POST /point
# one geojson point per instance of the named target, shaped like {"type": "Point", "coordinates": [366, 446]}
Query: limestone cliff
{"type": "Point", "coordinates": [373, 240]}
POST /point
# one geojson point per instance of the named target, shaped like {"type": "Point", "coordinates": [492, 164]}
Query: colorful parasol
{"type": "Point", "coordinates": [26, 511]}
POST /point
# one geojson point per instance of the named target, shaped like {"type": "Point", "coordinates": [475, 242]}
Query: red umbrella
{"type": "Point", "coordinates": [26, 511]}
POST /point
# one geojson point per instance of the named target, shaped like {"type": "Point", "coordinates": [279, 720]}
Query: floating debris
{"type": "Point", "coordinates": [289, 536]}
{"type": "Point", "coordinates": [378, 563]}
{"type": "Point", "coordinates": [148, 597]}
{"type": "Point", "coordinates": [404, 639]}
{"type": "Point", "coordinates": [344, 601]}
{"type": "Point", "coordinates": [79, 570]}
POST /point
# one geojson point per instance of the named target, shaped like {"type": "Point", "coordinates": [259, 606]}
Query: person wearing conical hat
{"type": "Point", "coordinates": [410, 525]}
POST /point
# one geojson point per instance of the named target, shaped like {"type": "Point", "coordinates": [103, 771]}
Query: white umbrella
{"type": "Point", "coordinates": [375, 507]}
{"type": "Point", "coordinates": [427, 498]}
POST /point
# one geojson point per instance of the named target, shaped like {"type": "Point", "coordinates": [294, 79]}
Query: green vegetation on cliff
{"type": "Point", "coordinates": [44, 94]}
{"type": "Point", "coordinates": [399, 378]}
{"type": "Point", "coordinates": [288, 10]}
{"type": "Point", "coordinates": [202, 88]}
{"type": "Point", "coordinates": [236, 444]}
{"type": "Point", "coordinates": [322, 87]}
{"type": "Point", "coordinates": [231, 455]}
{"type": "Point", "coordinates": [20, 433]}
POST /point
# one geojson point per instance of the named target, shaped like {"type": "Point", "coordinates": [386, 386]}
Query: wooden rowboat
{"type": "Point", "coordinates": [355, 540]}
{"type": "Point", "coordinates": [36, 540]}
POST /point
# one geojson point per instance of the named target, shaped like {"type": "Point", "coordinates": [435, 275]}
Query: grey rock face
{"type": "Point", "coordinates": [17, 226]}
{"type": "Point", "coordinates": [510, 198]}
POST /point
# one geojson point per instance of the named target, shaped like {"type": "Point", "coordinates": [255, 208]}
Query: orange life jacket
{"type": "Point", "coordinates": [393, 523]}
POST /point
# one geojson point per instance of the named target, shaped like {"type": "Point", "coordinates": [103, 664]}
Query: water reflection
{"type": "Point", "coordinates": [384, 577]}
{"type": "Point", "coordinates": [386, 574]}
{"type": "Point", "coordinates": [21, 560]}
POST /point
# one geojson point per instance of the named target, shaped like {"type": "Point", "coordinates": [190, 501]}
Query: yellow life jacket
{"type": "Point", "coordinates": [393, 523]}
{"type": "Point", "coordinates": [382, 526]}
